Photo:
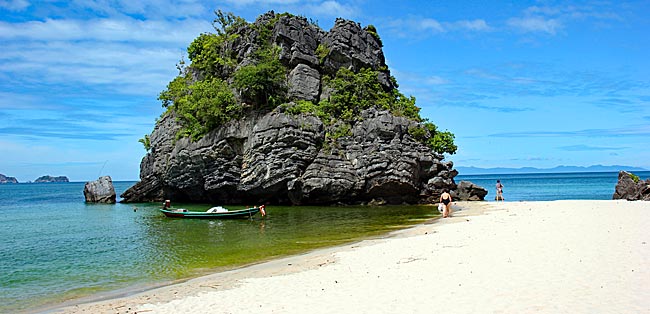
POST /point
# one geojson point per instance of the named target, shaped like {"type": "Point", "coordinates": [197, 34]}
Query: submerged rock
{"type": "Point", "coordinates": [100, 191]}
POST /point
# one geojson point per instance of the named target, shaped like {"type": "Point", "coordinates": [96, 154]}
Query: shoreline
{"type": "Point", "coordinates": [470, 245]}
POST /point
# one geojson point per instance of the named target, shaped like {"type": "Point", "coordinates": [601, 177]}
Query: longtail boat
{"type": "Point", "coordinates": [212, 213]}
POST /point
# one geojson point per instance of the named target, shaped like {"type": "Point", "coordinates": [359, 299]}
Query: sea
{"type": "Point", "coordinates": [550, 186]}
{"type": "Point", "coordinates": [57, 249]}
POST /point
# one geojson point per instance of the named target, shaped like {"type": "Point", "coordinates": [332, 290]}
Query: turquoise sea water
{"type": "Point", "coordinates": [551, 186]}
{"type": "Point", "coordinates": [56, 247]}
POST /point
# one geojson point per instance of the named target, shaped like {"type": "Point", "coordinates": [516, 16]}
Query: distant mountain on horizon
{"type": "Point", "coordinates": [558, 169]}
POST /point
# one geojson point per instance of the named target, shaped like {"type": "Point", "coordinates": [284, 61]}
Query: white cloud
{"type": "Point", "coordinates": [142, 70]}
{"type": "Point", "coordinates": [252, 2]}
{"type": "Point", "coordinates": [535, 25]}
{"type": "Point", "coordinates": [436, 80]}
{"type": "Point", "coordinates": [122, 55]}
{"type": "Point", "coordinates": [148, 8]}
{"type": "Point", "coordinates": [427, 26]}
{"type": "Point", "coordinates": [126, 29]}
{"type": "Point", "coordinates": [332, 9]}
{"type": "Point", "coordinates": [430, 24]}
{"type": "Point", "coordinates": [478, 25]}
{"type": "Point", "coordinates": [14, 5]}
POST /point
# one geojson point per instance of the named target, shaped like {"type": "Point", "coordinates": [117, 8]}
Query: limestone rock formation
{"type": "Point", "coordinates": [280, 157]}
{"type": "Point", "coordinates": [100, 191]}
{"type": "Point", "coordinates": [631, 188]}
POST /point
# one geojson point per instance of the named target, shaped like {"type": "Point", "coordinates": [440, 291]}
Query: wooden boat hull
{"type": "Point", "coordinates": [233, 214]}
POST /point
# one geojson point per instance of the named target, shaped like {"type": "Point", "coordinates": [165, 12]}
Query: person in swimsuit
{"type": "Point", "coordinates": [445, 198]}
{"type": "Point", "coordinates": [499, 187]}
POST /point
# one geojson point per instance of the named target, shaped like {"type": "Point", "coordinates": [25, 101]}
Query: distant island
{"type": "Point", "coordinates": [558, 169]}
{"type": "Point", "coordinates": [4, 179]}
{"type": "Point", "coordinates": [50, 179]}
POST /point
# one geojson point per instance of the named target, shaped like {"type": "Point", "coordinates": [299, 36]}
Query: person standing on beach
{"type": "Point", "coordinates": [445, 199]}
{"type": "Point", "coordinates": [499, 191]}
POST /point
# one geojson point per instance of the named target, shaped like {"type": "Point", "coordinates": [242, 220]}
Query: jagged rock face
{"type": "Point", "coordinates": [280, 158]}
{"type": "Point", "coordinates": [347, 45]}
{"type": "Point", "coordinates": [629, 190]}
{"type": "Point", "coordinates": [304, 83]}
{"type": "Point", "coordinates": [379, 160]}
{"type": "Point", "coordinates": [298, 40]}
{"type": "Point", "coordinates": [100, 191]}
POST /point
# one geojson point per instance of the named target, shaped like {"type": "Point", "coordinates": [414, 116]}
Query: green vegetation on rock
{"type": "Point", "coordinates": [146, 142]}
{"type": "Point", "coordinates": [218, 86]}
{"type": "Point", "coordinates": [263, 82]}
{"type": "Point", "coordinates": [372, 30]}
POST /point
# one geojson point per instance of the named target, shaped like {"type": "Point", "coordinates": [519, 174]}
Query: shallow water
{"type": "Point", "coordinates": [57, 247]}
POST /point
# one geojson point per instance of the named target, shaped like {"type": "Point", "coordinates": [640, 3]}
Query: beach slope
{"type": "Point", "coordinates": [524, 257]}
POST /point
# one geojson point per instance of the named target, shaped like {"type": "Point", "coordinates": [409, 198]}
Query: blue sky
{"type": "Point", "coordinates": [520, 83]}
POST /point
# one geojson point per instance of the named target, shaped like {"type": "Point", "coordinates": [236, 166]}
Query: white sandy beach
{"type": "Point", "coordinates": [520, 257]}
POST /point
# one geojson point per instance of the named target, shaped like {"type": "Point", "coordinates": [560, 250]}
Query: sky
{"type": "Point", "coordinates": [519, 83]}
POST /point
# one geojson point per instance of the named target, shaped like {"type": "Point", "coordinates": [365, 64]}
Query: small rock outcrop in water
{"type": "Point", "coordinates": [630, 187]}
{"type": "Point", "coordinates": [50, 179]}
{"type": "Point", "coordinates": [4, 179]}
{"type": "Point", "coordinates": [100, 191]}
{"type": "Point", "coordinates": [282, 157]}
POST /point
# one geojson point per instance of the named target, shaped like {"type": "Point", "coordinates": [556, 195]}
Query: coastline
{"type": "Point", "coordinates": [550, 256]}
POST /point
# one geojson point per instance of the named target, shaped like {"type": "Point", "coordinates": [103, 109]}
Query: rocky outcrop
{"type": "Point", "coordinates": [50, 179]}
{"type": "Point", "coordinates": [630, 187]}
{"type": "Point", "coordinates": [4, 179]}
{"type": "Point", "coordinates": [100, 191]}
{"type": "Point", "coordinates": [286, 158]}
{"type": "Point", "coordinates": [468, 191]}
{"type": "Point", "coordinates": [280, 158]}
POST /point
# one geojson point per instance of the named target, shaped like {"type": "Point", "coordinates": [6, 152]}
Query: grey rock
{"type": "Point", "coordinates": [629, 190]}
{"type": "Point", "coordinates": [280, 158]}
{"type": "Point", "coordinates": [304, 83]}
{"type": "Point", "coordinates": [100, 190]}
{"type": "Point", "coordinates": [468, 191]}
{"type": "Point", "coordinates": [4, 179]}
{"type": "Point", "coordinates": [51, 179]}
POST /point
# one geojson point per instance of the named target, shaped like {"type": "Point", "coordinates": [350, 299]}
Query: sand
{"type": "Point", "coordinates": [512, 257]}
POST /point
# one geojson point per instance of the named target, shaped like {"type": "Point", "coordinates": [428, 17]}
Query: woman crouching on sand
{"type": "Point", "coordinates": [445, 198]}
